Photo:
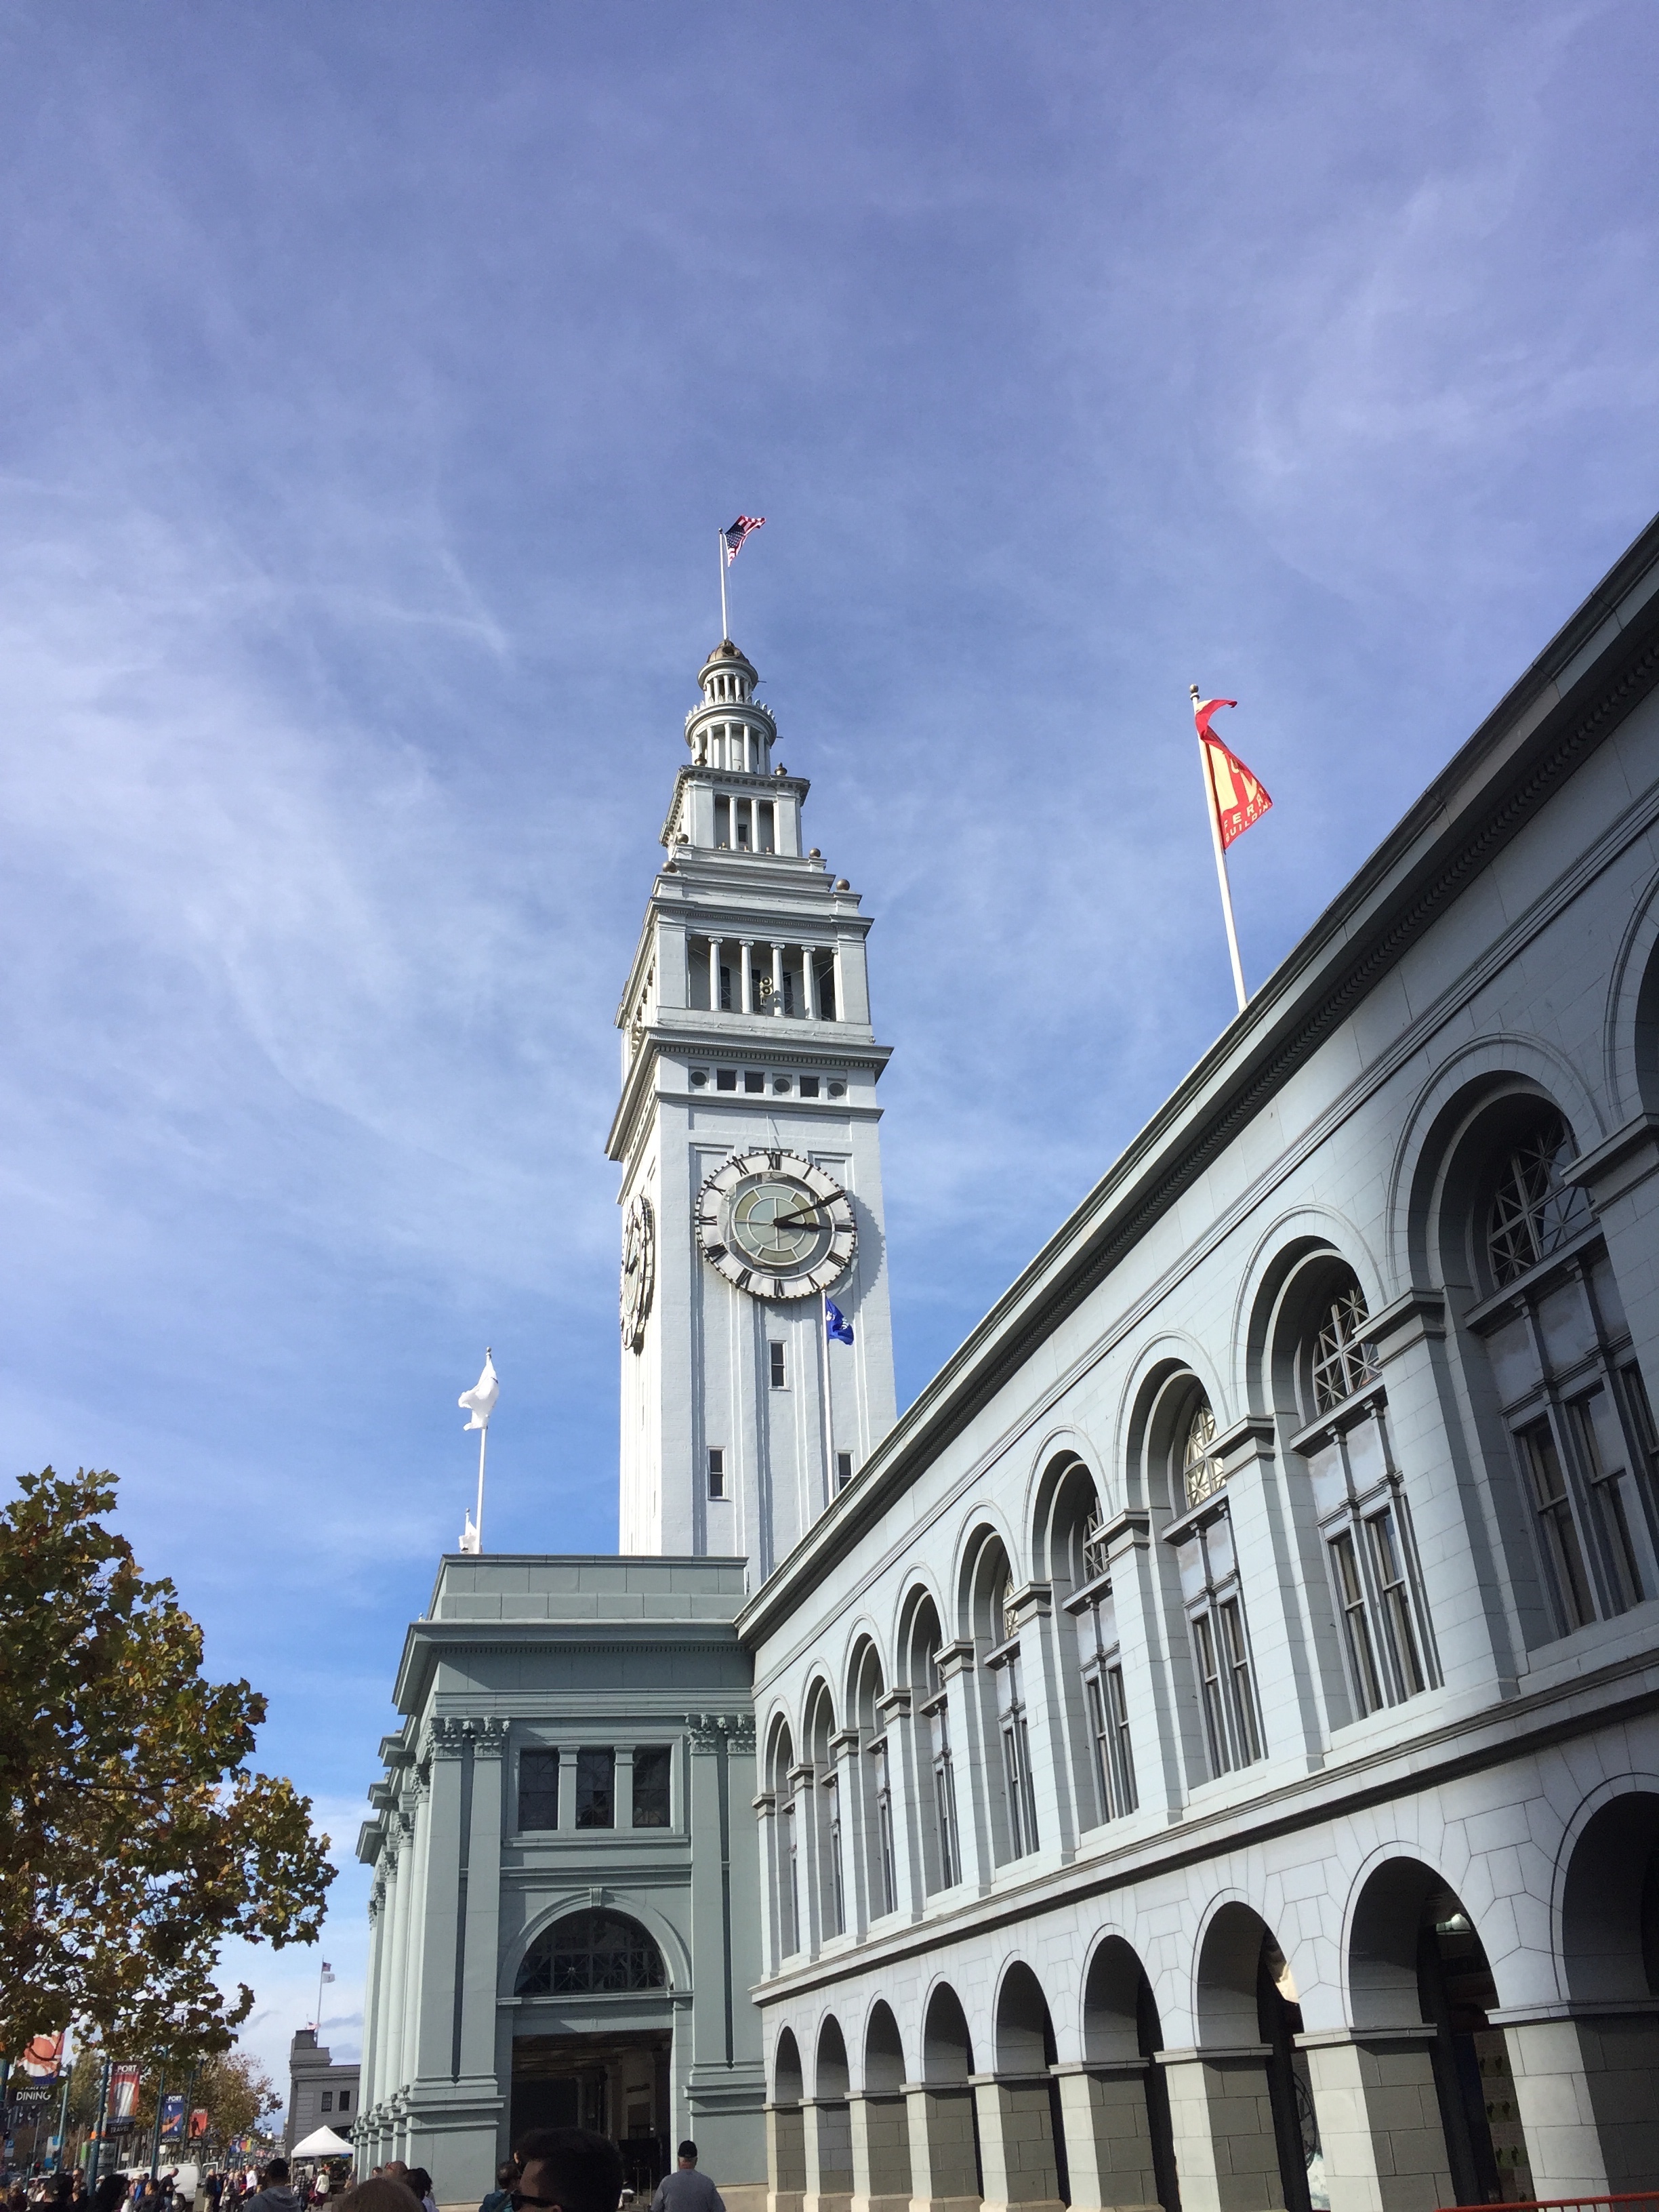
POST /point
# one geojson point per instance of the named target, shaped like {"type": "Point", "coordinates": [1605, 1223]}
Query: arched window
{"type": "Point", "coordinates": [1357, 1490]}
{"type": "Point", "coordinates": [943, 1851]}
{"type": "Point", "coordinates": [875, 1822]}
{"type": "Point", "coordinates": [1078, 1552]}
{"type": "Point", "coordinates": [1339, 1361]}
{"type": "Point", "coordinates": [1200, 1469]}
{"type": "Point", "coordinates": [1532, 1210]}
{"type": "Point", "coordinates": [1559, 1348]}
{"type": "Point", "coordinates": [587, 1952]}
{"type": "Point", "coordinates": [1210, 1587]}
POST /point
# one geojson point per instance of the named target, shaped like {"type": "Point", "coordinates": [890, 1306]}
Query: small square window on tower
{"type": "Point", "coordinates": [725, 1078]}
{"type": "Point", "coordinates": [808, 1086]}
{"type": "Point", "coordinates": [753, 1079]}
{"type": "Point", "coordinates": [776, 1353]}
{"type": "Point", "coordinates": [716, 1472]}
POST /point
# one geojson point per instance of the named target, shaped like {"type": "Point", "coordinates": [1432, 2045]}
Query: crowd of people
{"type": "Point", "coordinates": [554, 2170]}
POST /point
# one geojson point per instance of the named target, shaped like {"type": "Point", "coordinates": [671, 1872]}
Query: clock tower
{"type": "Point", "coordinates": [747, 1133]}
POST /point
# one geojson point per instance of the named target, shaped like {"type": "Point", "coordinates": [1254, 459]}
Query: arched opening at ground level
{"type": "Point", "coordinates": [1610, 1967]}
{"type": "Point", "coordinates": [1120, 2145]}
{"type": "Point", "coordinates": [946, 2169]}
{"type": "Point", "coordinates": [1022, 2132]}
{"type": "Point", "coordinates": [786, 2133]}
{"type": "Point", "coordinates": [1241, 2106]}
{"type": "Point", "coordinates": [1423, 1997]}
{"type": "Point", "coordinates": [828, 2131]}
{"type": "Point", "coordinates": [881, 2120]}
{"type": "Point", "coordinates": [578, 2063]}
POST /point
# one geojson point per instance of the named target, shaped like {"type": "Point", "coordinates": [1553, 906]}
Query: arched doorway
{"type": "Point", "coordinates": [1610, 1961]}
{"type": "Point", "coordinates": [1024, 2145]}
{"type": "Point", "coordinates": [884, 2182]}
{"type": "Point", "coordinates": [829, 2130]}
{"type": "Point", "coordinates": [1247, 1995]}
{"type": "Point", "coordinates": [947, 2144]}
{"type": "Point", "coordinates": [595, 2040]}
{"type": "Point", "coordinates": [1415, 1957]}
{"type": "Point", "coordinates": [785, 2138]}
{"type": "Point", "coordinates": [1118, 2101]}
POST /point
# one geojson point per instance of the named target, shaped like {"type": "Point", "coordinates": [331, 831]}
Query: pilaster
{"type": "Point", "coordinates": [1108, 2143]}
{"type": "Point", "coordinates": [1016, 2143]}
{"type": "Point", "coordinates": [1379, 2119]}
{"type": "Point", "coordinates": [903, 1787]}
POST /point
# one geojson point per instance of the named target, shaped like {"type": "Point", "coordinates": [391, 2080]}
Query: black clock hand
{"type": "Point", "coordinates": [809, 1213]}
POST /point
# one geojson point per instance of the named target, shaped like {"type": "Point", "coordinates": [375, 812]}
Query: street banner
{"type": "Point", "coordinates": [198, 2123]}
{"type": "Point", "coordinates": [173, 2118]}
{"type": "Point", "coordinates": [122, 2112]}
{"type": "Point", "coordinates": [43, 2057]}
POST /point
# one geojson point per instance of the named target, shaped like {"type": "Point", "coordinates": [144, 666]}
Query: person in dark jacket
{"type": "Point", "coordinates": [685, 2190]}
{"type": "Point", "coordinates": [506, 2180]}
{"type": "Point", "coordinates": [570, 2167]}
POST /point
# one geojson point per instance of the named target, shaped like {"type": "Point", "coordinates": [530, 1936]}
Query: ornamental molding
{"type": "Point", "coordinates": [709, 1731]}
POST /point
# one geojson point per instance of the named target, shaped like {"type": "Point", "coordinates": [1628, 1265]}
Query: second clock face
{"type": "Point", "coordinates": [775, 1225]}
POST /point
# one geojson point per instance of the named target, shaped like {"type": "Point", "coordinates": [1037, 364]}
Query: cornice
{"type": "Point", "coordinates": [1597, 669]}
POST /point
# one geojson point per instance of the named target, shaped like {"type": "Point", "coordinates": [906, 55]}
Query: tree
{"type": "Point", "coordinates": [133, 1837]}
{"type": "Point", "coordinates": [233, 2089]}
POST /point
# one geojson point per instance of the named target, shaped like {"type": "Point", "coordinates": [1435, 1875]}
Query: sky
{"type": "Point", "coordinates": [373, 381]}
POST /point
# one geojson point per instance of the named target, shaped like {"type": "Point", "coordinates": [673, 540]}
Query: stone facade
{"type": "Point", "coordinates": [564, 1908]}
{"type": "Point", "coordinates": [320, 2094]}
{"type": "Point", "coordinates": [1210, 1755]}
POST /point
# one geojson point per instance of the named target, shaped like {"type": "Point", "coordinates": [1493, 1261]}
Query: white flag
{"type": "Point", "coordinates": [480, 1400]}
{"type": "Point", "coordinates": [470, 1540]}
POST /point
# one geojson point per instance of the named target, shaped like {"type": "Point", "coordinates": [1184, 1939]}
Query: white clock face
{"type": "Point", "coordinates": [639, 1270]}
{"type": "Point", "coordinates": [775, 1226]}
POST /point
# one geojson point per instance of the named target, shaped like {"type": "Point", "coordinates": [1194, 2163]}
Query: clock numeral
{"type": "Point", "coordinates": [715, 1251]}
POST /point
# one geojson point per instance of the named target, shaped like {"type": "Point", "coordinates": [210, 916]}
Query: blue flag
{"type": "Point", "coordinates": [836, 1323]}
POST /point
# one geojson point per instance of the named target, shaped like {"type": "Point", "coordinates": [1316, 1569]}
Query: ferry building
{"type": "Point", "coordinates": [1205, 1751]}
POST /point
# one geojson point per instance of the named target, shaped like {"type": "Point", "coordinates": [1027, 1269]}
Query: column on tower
{"type": "Point", "coordinates": [777, 978]}
{"type": "Point", "coordinates": [808, 984]}
{"type": "Point", "coordinates": [714, 975]}
{"type": "Point", "coordinates": [748, 950]}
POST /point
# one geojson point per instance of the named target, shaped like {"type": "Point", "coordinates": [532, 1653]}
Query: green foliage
{"type": "Point", "coordinates": [133, 1839]}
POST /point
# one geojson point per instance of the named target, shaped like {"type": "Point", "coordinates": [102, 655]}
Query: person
{"type": "Point", "coordinates": [379, 2193]}
{"type": "Point", "coordinates": [570, 2167]}
{"type": "Point", "coordinates": [274, 2194]}
{"type": "Point", "coordinates": [506, 2177]}
{"type": "Point", "coordinates": [420, 2182]}
{"type": "Point", "coordinates": [110, 2193]}
{"type": "Point", "coordinates": [685, 2190]}
{"type": "Point", "coordinates": [215, 2189]}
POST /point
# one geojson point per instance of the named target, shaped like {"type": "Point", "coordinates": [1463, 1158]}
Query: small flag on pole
{"type": "Point", "coordinates": [738, 531]}
{"type": "Point", "coordinates": [1239, 798]}
{"type": "Point", "coordinates": [836, 1323]}
{"type": "Point", "coordinates": [327, 1974]}
{"type": "Point", "coordinates": [480, 1400]}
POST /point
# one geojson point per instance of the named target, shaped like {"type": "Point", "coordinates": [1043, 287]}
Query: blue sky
{"type": "Point", "coordinates": [372, 380]}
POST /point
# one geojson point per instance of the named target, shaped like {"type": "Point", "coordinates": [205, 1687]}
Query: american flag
{"type": "Point", "coordinates": [739, 530]}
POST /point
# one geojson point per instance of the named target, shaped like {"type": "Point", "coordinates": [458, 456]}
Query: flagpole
{"type": "Point", "coordinates": [720, 555]}
{"type": "Point", "coordinates": [828, 1415]}
{"type": "Point", "coordinates": [483, 1438]}
{"type": "Point", "coordinates": [1221, 870]}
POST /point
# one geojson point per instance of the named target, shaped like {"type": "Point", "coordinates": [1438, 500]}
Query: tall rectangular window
{"type": "Point", "coordinates": [1239, 1678]}
{"type": "Point", "coordinates": [1557, 1528]}
{"type": "Point", "coordinates": [1399, 1616]}
{"type": "Point", "coordinates": [945, 1794]}
{"type": "Point", "coordinates": [346, 2100]}
{"type": "Point", "coordinates": [1356, 1621]}
{"type": "Point", "coordinates": [825, 977]}
{"type": "Point", "coordinates": [725, 989]}
{"type": "Point", "coordinates": [836, 1900]}
{"type": "Point", "coordinates": [716, 1471]}
{"type": "Point", "coordinates": [328, 2101]}
{"type": "Point", "coordinates": [775, 1352]}
{"type": "Point", "coordinates": [843, 1469]}
{"type": "Point", "coordinates": [884, 1826]}
{"type": "Point", "coordinates": [653, 1768]}
{"type": "Point", "coordinates": [596, 1789]}
{"type": "Point", "coordinates": [1209, 1684]}
{"type": "Point", "coordinates": [1602, 1441]}
{"type": "Point", "coordinates": [539, 1789]}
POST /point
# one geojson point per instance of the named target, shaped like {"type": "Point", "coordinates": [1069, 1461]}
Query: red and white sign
{"type": "Point", "coordinates": [41, 2061]}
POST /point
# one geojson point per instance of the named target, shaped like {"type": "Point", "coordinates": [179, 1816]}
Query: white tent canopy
{"type": "Point", "coordinates": [324, 2144]}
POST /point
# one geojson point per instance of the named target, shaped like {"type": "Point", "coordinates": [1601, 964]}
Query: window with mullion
{"type": "Point", "coordinates": [1221, 1644]}
{"type": "Point", "coordinates": [1581, 1429]}
{"type": "Point", "coordinates": [947, 1857]}
{"type": "Point", "coordinates": [1359, 1501]}
{"type": "Point", "coordinates": [886, 1868]}
{"type": "Point", "coordinates": [1019, 1790]}
{"type": "Point", "coordinates": [1113, 1759]}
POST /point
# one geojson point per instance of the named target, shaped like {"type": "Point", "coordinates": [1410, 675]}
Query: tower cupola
{"type": "Point", "coordinates": [730, 729]}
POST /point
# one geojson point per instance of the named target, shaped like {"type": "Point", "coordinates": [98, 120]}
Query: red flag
{"type": "Point", "coordinates": [1238, 799]}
